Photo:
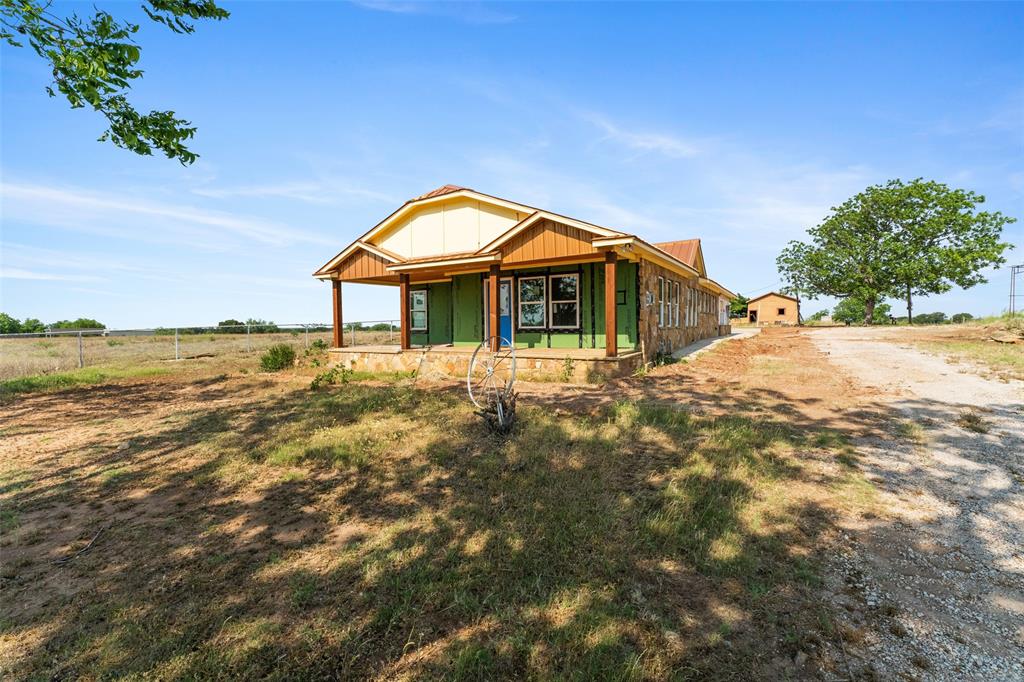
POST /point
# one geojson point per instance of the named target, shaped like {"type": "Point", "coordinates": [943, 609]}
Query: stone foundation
{"type": "Point", "coordinates": [531, 364]}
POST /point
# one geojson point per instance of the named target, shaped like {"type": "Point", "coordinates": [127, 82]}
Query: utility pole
{"type": "Point", "coordinates": [1014, 271]}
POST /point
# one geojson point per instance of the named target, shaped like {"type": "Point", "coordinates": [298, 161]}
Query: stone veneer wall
{"type": "Point", "coordinates": [666, 340]}
{"type": "Point", "coordinates": [455, 365]}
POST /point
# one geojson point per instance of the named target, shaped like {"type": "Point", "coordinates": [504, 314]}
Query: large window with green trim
{"type": "Point", "coordinates": [565, 301]}
{"type": "Point", "coordinates": [418, 310]}
{"type": "Point", "coordinates": [532, 302]}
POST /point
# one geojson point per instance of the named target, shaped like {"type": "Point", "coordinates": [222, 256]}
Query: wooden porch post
{"type": "Point", "coordinates": [403, 286]}
{"type": "Point", "coordinates": [494, 283]}
{"type": "Point", "coordinates": [339, 335]}
{"type": "Point", "coordinates": [611, 335]}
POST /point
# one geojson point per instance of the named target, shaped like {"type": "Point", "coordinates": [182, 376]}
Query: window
{"type": "Point", "coordinates": [670, 303]}
{"type": "Point", "coordinates": [660, 301]}
{"type": "Point", "coordinates": [675, 303]}
{"type": "Point", "coordinates": [418, 310]}
{"type": "Point", "coordinates": [565, 301]}
{"type": "Point", "coordinates": [782, 311]}
{"type": "Point", "coordinates": [531, 302]}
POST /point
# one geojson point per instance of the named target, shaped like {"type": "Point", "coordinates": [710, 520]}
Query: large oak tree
{"type": "Point", "coordinates": [897, 239]}
{"type": "Point", "coordinates": [94, 61]}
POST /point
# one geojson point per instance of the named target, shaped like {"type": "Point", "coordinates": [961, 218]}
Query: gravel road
{"type": "Point", "coordinates": [933, 588]}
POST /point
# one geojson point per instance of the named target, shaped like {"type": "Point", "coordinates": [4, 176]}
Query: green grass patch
{"type": "Point", "coordinates": [8, 520]}
{"type": "Point", "coordinates": [1004, 359]}
{"type": "Point", "coordinates": [80, 377]}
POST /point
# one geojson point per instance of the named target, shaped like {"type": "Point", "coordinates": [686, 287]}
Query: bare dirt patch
{"type": "Point", "coordinates": [943, 581]}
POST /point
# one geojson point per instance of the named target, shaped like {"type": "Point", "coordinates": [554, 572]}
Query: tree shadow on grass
{"type": "Point", "coordinates": [640, 541]}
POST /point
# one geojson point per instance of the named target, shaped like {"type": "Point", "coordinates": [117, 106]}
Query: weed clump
{"type": "Point", "coordinates": [277, 357]}
{"type": "Point", "coordinates": [334, 375]}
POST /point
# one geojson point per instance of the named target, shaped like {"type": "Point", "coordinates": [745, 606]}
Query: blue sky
{"type": "Point", "coordinates": [740, 124]}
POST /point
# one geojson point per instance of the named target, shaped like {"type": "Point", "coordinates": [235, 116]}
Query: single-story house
{"type": "Point", "coordinates": [471, 267]}
{"type": "Point", "coordinates": [773, 308]}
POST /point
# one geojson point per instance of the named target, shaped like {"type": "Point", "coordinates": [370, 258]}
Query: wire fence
{"type": "Point", "coordinates": [57, 350]}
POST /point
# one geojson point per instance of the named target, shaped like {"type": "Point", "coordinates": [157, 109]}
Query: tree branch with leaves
{"type": "Point", "coordinates": [94, 61]}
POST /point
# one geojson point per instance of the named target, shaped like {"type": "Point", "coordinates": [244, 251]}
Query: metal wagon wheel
{"type": "Point", "coordinates": [491, 375]}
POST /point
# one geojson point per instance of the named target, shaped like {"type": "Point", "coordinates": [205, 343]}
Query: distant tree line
{"type": "Point", "coordinates": [30, 325]}
{"type": "Point", "coordinates": [853, 310]}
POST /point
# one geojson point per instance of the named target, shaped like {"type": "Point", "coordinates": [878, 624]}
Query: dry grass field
{"type": "Point", "coordinates": [211, 521]}
{"type": "Point", "coordinates": [23, 357]}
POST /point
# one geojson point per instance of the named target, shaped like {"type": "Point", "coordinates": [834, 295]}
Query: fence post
{"type": "Point", "coordinates": [391, 332]}
{"type": "Point", "coordinates": [177, 353]}
{"type": "Point", "coordinates": [306, 328]}
{"type": "Point", "coordinates": [248, 340]}
{"type": "Point", "coordinates": [81, 352]}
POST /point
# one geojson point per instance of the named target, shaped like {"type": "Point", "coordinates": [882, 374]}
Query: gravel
{"type": "Point", "coordinates": [933, 588]}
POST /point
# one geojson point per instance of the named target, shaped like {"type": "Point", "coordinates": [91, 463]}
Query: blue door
{"type": "Point", "coordinates": [505, 309]}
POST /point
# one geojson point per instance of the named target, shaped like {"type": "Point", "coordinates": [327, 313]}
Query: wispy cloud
{"type": "Point", "coordinates": [669, 145]}
{"type": "Point", "coordinates": [312, 192]}
{"type": "Point", "coordinates": [539, 184]}
{"type": "Point", "coordinates": [141, 219]}
{"type": "Point", "coordinates": [470, 12]}
{"type": "Point", "coordinates": [20, 273]}
{"type": "Point", "coordinates": [26, 256]}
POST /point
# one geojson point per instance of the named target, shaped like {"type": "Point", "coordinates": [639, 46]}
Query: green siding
{"type": "Point", "coordinates": [439, 316]}
{"type": "Point", "coordinates": [625, 276]}
{"type": "Point", "coordinates": [462, 320]}
{"type": "Point", "coordinates": [468, 309]}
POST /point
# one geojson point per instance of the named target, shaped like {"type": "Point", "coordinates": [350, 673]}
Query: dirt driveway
{"type": "Point", "coordinates": [943, 579]}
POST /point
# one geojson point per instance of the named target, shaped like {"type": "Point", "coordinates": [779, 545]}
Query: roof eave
{"type": "Point", "coordinates": [444, 262]}
{"type": "Point", "coordinates": [652, 252]}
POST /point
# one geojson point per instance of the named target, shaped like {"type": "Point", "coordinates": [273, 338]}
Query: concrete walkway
{"type": "Point", "coordinates": [704, 345]}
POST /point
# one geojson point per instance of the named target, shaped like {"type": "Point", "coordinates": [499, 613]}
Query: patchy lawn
{"type": "Point", "coordinates": [247, 526]}
{"type": "Point", "coordinates": [1003, 360]}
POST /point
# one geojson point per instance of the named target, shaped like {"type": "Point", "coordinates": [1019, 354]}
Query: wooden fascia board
{"type": "Point", "coordinates": [718, 288]}
{"type": "Point", "coordinates": [349, 250]}
{"type": "Point", "coordinates": [383, 253]}
{"type": "Point", "coordinates": [408, 206]}
{"type": "Point", "coordinates": [425, 265]}
{"type": "Point", "coordinates": [699, 261]}
{"type": "Point", "coordinates": [774, 293]}
{"type": "Point", "coordinates": [537, 216]}
{"type": "Point", "coordinates": [649, 252]}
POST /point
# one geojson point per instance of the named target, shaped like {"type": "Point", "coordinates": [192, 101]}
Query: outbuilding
{"type": "Point", "coordinates": [773, 308]}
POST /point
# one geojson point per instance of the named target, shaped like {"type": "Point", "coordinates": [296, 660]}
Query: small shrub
{"type": "Point", "coordinates": [277, 357]}
{"type": "Point", "coordinates": [334, 375]}
{"type": "Point", "coordinates": [568, 369]}
{"type": "Point", "coordinates": [972, 421]}
{"type": "Point", "coordinates": [318, 345]}
{"type": "Point", "coordinates": [114, 342]}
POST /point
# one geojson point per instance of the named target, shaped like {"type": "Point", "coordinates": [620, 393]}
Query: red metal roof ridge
{"type": "Point", "coordinates": [443, 189]}
{"type": "Point", "coordinates": [773, 293]}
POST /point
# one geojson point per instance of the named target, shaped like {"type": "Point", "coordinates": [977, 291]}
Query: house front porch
{"type": "Point", "coordinates": [580, 365]}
